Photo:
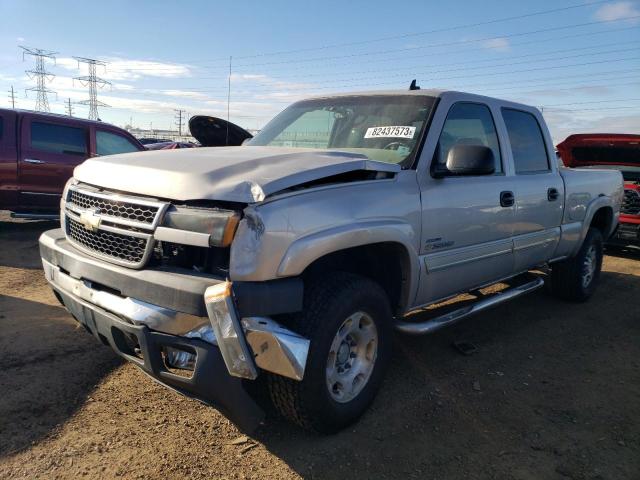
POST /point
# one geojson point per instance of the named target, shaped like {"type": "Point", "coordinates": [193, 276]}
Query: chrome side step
{"type": "Point", "coordinates": [36, 216]}
{"type": "Point", "coordinates": [433, 324]}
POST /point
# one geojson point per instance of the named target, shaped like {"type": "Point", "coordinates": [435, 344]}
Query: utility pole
{"type": "Point", "coordinates": [12, 97]}
{"type": "Point", "coordinates": [93, 82]}
{"type": "Point", "coordinates": [41, 75]}
{"type": "Point", "coordinates": [179, 117]}
{"type": "Point", "coordinates": [69, 108]}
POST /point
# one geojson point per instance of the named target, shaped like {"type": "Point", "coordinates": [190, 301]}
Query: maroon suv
{"type": "Point", "coordinates": [38, 152]}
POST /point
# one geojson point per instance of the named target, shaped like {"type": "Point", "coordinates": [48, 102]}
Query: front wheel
{"type": "Point", "coordinates": [576, 278]}
{"type": "Point", "coordinates": [348, 320]}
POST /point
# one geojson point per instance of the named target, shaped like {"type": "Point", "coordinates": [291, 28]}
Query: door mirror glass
{"type": "Point", "coordinates": [468, 160]}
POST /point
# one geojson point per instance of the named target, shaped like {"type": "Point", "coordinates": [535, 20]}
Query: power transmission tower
{"type": "Point", "coordinates": [179, 117]}
{"type": "Point", "coordinates": [41, 75]}
{"type": "Point", "coordinates": [94, 82]}
{"type": "Point", "coordinates": [69, 108]}
{"type": "Point", "coordinates": [12, 97]}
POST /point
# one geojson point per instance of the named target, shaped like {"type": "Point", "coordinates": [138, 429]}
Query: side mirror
{"type": "Point", "coordinates": [463, 160]}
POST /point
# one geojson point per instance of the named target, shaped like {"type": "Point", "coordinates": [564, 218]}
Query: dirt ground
{"type": "Point", "coordinates": [553, 392]}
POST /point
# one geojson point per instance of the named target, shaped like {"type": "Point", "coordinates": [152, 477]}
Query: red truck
{"type": "Point", "coordinates": [38, 152]}
{"type": "Point", "coordinates": [616, 151]}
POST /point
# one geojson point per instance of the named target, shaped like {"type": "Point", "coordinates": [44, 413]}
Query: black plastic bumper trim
{"type": "Point", "coordinates": [210, 382]}
{"type": "Point", "coordinates": [273, 297]}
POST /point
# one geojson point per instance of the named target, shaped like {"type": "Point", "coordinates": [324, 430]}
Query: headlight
{"type": "Point", "coordinates": [220, 225]}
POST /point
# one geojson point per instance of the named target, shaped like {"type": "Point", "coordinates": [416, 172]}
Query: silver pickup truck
{"type": "Point", "coordinates": [284, 265]}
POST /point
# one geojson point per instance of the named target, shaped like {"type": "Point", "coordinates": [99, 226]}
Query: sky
{"type": "Point", "coordinates": [577, 60]}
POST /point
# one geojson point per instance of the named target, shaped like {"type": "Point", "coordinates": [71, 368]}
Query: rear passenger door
{"type": "Point", "coordinates": [537, 187]}
{"type": "Point", "coordinates": [51, 149]}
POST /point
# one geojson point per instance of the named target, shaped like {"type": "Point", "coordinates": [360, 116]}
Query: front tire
{"type": "Point", "coordinates": [348, 320]}
{"type": "Point", "coordinates": [576, 279]}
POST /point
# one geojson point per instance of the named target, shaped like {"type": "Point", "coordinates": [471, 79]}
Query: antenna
{"type": "Point", "coordinates": [413, 85]}
{"type": "Point", "coordinates": [228, 102]}
{"type": "Point", "coordinates": [93, 82]}
{"type": "Point", "coordinates": [41, 76]}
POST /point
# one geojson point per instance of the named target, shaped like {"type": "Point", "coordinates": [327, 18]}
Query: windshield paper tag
{"type": "Point", "coordinates": [390, 132]}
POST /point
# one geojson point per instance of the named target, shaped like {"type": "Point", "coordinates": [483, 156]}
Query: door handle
{"type": "Point", "coordinates": [34, 160]}
{"type": "Point", "coordinates": [553, 194]}
{"type": "Point", "coordinates": [507, 199]}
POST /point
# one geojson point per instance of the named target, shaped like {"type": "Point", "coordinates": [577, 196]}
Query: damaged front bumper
{"type": "Point", "coordinates": [219, 350]}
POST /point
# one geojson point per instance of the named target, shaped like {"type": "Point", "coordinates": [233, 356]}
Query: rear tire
{"type": "Point", "coordinates": [576, 279]}
{"type": "Point", "coordinates": [348, 320]}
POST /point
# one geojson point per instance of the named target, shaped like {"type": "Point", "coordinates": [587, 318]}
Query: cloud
{"type": "Point", "coordinates": [126, 69]}
{"type": "Point", "coordinates": [184, 94]}
{"type": "Point", "coordinates": [19, 39]}
{"type": "Point", "coordinates": [498, 44]}
{"type": "Point", "coordinates": [239, 77]}
{"type": "Point", "coordinates": [617, 11]}
{"type": "Point", "coordinates": [563, 123]}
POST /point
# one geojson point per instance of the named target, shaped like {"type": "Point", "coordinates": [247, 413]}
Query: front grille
{"type": "Point", "coordinates": [631, 202]}
{"type": "Point", "coordinates": [125, 248]}
{"type": "Point", "coordinates": [114, 208]}
{"type": "Point", "coordinates": [118, 228]}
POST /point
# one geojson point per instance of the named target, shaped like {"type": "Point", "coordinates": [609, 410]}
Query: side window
{"type": "Point", "coordinates": [1, 127]}
{"type": "Point", "coordinates": [310, 130]}
{"type": "Point", "coordinates": [527, 143]}
{"type": "Point", "coordinates": [108, 143]}
{"type": "Point", "coordinates": [53, 138]}
{"type": "Point", "coordinates": [468, 124]}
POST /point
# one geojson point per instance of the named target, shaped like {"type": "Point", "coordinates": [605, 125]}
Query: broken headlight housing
{"type": "Point", "coordinates": [228, 331]}
{"type": "Point", "coordinates": [219, 224]}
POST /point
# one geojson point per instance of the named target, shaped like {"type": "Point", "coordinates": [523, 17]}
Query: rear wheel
{"type": "Point", "coordinates": [576, 278]}
{"type": "Point", "coordinates": [348, 320]}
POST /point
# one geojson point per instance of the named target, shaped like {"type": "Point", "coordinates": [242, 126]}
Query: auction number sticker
{"type": "Point", "coordinates": [390, 132]}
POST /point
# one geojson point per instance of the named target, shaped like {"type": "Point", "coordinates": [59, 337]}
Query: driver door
{"type": "Point", "coordinates": [466, 231]}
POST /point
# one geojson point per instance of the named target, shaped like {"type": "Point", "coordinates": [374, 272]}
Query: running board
{"type": "Point", "coordinates": [433, 324]}
{"type": "Point", "coordinates": [36, 216]}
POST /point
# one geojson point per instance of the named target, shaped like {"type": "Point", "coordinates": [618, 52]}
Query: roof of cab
{"type": "Point", "coordinates": [54, 115]}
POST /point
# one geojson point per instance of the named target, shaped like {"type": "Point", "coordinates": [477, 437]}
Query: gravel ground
{"type": "Point", "coordinates": [553, 392]}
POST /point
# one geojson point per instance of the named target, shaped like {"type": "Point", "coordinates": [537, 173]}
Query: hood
{"type": "Point", "coordinates": [215, 132]}
{"type": "Point", "coordinates": [235, 174]}
{"type": "Point", "coordinates": [591, 149]}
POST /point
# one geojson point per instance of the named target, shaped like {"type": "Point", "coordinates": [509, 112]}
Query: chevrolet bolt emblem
{"type": "Point", "coordinates": [90, 219]}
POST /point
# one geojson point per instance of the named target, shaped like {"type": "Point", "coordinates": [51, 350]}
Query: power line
{"type": "Point", "coordinates": [276, 85]}
{"type": "Point", "coordinates": [430, 77]}
{"type": "Point", "coordinates": [41, 75]}
{"type": "Point", "coordinates": [593, 109]}
{"type": "Point", "coordinates": [443, 44]}
{"type": "Point", "coordinates": [426, 32]}
{"type": "Point", "coordinates": [12, 97]}
{"type": "Point", "coordinates": [594, 101]}
{"type": "Point", "coordinates": [471, 62]}
{"type": "Point", "coordinates": [93, 82]}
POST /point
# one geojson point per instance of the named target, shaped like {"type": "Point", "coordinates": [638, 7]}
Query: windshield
{"type": "Point", "coordinates": [387, 128]}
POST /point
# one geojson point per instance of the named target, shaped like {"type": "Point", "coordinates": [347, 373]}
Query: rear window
{"type": "Point", "coordinates": [527, 143]}
{"type": "Point", "coordinates": [607, 154]}
{"type": "Point", "coordinates": [53, 138]}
